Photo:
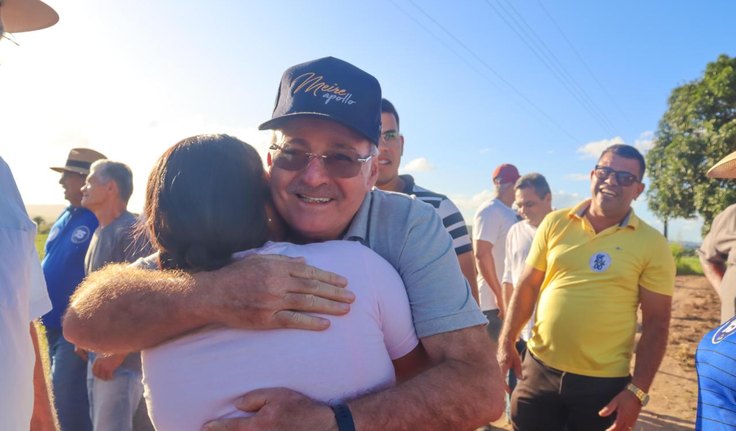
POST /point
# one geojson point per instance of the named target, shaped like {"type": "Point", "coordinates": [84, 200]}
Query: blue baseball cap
{"type": "Point", "coordinates": [330, 88]}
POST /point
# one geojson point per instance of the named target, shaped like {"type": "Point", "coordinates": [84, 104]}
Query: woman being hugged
{"type": "Point", "coordinates": [207, 204]}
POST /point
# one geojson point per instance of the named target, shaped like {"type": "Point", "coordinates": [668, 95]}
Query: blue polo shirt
{"type": "Point", "coordinates": [715, 361]}
{"type": "Point", "coordinates": [410, 236]}
{"type": "Point", "coordinates": [63, 265]}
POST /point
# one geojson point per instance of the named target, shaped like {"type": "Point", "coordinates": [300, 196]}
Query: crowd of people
{"type": "Point", "coordinates": [329, 292]}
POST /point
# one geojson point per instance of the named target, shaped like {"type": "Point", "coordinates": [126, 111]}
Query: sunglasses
{"type": "Point", "coordinates": [337, 163]}
{"type": "Point", "coordinates": [623, 178]}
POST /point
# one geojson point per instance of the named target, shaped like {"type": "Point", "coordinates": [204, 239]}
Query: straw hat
{"type": "Point", "coordinates": [26, 15]}
{"type": "Point", "coordinates": [79, 161]}
{"type": "Point", "coordinates": [725, 168]}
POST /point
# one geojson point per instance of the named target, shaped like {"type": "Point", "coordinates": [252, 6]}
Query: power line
{"type": "Point", "coordinates": [443, 42]}
{"type": "Point", "coordinates": [507, 83]}
{"type": "Point", "coordinates": [583, 62]}
{"type": "Point", "coordinates": [516, 22]}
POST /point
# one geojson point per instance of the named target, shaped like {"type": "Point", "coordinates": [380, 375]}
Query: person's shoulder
{"type": "Point", "coordinates": [354, 248]}
{"type": "Point", "coordinates": [85, 215]}
{"type": "Point", "coordinates": [486, 208]}
{"type": "Point", "coordinates": [652, 241]}
{"type": "Point", "coordinates": [395, 202]}
{"type": "Point", "coordinates": [424, 193]}
{"type": "Point", "coordinates": [333, 253]}
{"type": "Point", "coordinates": [126, 222]}
{"type": "Point", "coordinates": [556, 219]}
{"type": "Point", "coordinates": [561, 214]}
{"type": "Point", "coordinates": [731, 209]}
{"type": "Point", "coordinates": [497, 210]}
{"type": "Point", "coordinates": [519, 227]}
{"type": "Point", "coordinates": [148, 262]}
{"type": "Point", "coordinates": [729, 213]}
{"type": "Point", "coordinates": [645, 229]}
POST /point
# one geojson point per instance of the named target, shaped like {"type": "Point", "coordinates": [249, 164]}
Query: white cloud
{"type": "Point", "coordinates": [578, 177]}
{"type": "Point", "coordinates": [593, 150]}
{"type": "Point", "coordinates": [645, 142]}
{"type": "Point", "coordinates": [468, 205]}
{"type": "Point", "coordinates": [418, 165]}
{"type": "Point", "coordinates": [562, 199]}
{"type": "Point", "coordinates": [484, 150]}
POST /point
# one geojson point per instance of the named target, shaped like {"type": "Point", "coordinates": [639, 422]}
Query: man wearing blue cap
{"type": "Point", "coordinates": [323, 167]}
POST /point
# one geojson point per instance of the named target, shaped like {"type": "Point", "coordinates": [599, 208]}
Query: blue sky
{"type": "Point", "coordinates": [544, 85]}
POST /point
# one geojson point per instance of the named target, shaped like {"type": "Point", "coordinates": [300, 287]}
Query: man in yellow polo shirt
{"type": "Point", "coordinates": [589, 269]}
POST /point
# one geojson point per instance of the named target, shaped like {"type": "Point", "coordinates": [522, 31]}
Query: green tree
{"type": "Point", "coordinates": [697, 130]}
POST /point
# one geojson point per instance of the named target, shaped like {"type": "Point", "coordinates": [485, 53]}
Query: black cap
{"type": "Point", "coordinates": [330, 88]}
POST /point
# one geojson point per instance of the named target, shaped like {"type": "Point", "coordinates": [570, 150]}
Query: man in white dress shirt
{"type": "Point", "coordinates": [533, 201]}
{"type": "Point", "coordinates": [23, 294]}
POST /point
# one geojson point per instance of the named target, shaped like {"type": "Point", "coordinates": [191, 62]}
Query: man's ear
{"type": "Point", "coordinates": [112, 187]}
{"type": "Point", "coordinates": [374, 172]}
{"type": "Point", "coordinates": [640, 188]}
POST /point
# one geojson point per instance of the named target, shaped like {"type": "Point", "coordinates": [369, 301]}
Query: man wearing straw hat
{"type": "Point", "coordinates": [718, 251]}
{"type": "Point", "coordinates": [63, 268]}
{"type": "Point", "coordinates": [23, 295]}
{"type": "Point", "coordinates": [716, 354]}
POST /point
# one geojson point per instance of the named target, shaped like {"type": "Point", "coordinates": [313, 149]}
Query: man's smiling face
{"type": "Point", "coordinates": [315, 205]}
{"type": "Point", "coordinates": [391, 148]}
{"type": "Point", "coordinates": [610, 198]}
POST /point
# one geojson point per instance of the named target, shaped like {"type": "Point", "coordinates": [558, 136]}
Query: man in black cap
{"type": "Point", "coordinates": [323, 167]}
{"type": "Point", "coordinates": [63, 268]}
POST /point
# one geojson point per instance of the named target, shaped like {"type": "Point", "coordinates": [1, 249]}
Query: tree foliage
{"type": "Point", "coordinates": [697, 130]}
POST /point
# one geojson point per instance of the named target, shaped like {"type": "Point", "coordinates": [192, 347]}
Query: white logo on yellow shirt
{"type": "Point", "coordinates": [599, 262]}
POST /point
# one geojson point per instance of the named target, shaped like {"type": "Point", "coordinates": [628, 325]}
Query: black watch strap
{"type": "Point", "coordinates": [343, 417]}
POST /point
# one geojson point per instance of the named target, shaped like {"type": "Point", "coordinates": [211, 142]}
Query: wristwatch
{"type": "Point", "coordinates": [643, 396]}
{"type": "Point", "coordinates": [343, 417]}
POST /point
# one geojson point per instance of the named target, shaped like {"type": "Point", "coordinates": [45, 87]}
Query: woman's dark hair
{"type": "Point", "coordinates": [206, 199]}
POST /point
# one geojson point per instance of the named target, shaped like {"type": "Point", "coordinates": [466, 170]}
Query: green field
{"type": "Point", "coordinates": [686, 260]}
{"type": "Point", "coordinates": [40, 241]}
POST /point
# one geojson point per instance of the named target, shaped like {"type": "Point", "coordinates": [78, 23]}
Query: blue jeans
{"type": "Point", "coordinates": [69, 381]}
{"type": "Point", "coordinates": [112, 403]}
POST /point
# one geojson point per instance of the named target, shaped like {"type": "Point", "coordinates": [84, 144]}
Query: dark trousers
{"type": "Point", "coordinates": [520, 348]}
{"type": "Point", "coordinates": [554, 400]}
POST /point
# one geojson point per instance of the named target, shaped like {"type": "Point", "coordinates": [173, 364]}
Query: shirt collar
{"type": "Point", "coordinates": [578, 211]}
{"type": "Point", "coordinates": [408, 184]}
{"type": "Point", "coordinates": [359, 226]}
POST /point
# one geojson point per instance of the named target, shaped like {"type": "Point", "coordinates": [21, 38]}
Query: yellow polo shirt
{"type": "Point", "coordinates": [586, 309]}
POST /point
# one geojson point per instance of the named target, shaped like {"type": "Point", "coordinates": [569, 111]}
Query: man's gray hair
{"type": "Point", "coordinates": [118, 172]}
{"type": "Point", "coordinates": [535, 181]}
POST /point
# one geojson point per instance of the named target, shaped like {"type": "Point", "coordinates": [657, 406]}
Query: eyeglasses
{"type": "Point", "coordinates": [390, 137]}
{"type": "Point", "coordinates": [339, 164]}
{"type": "Point", "coordinates": [623, 178]}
